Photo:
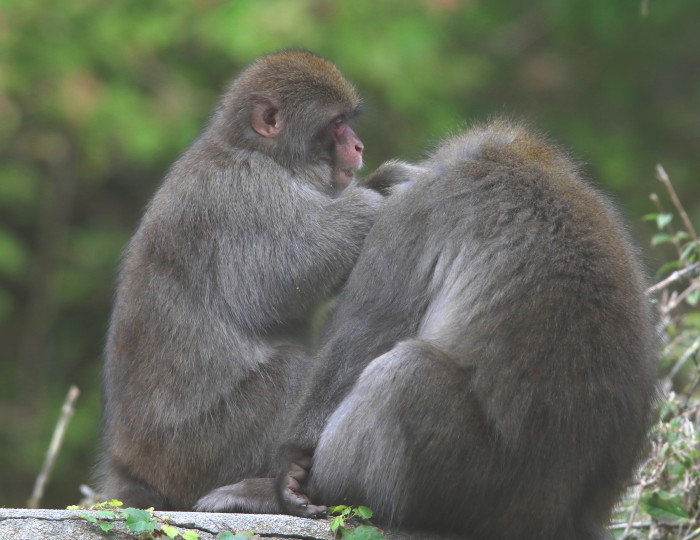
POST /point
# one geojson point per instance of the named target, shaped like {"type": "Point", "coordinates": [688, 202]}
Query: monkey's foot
{"type": "Point", "coordinates": [250, 496]}
{"type": "Point", "coordinates": [295, 501]}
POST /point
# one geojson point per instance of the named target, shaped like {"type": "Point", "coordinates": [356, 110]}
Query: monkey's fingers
{"type": "Point", "coordinates": [304, 461]}
{"type": "Point", "coordinates": [294, 498]}
{"type": "Point", "coordinates": [299, 504]}
{"type": "Point", "coordinates": [298, 472]}
{"type": "Point", "coordinates": [314, 512]}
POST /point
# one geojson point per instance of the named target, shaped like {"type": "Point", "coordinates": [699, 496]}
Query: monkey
{"type": "Point", "coordinates": [256, 223]}
{"type": "Point", "coordinates": [489, 370]}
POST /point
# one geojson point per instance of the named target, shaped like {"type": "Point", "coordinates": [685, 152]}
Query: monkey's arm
{"type": "Point", "coordinates": [289, 246]}
{"type": "Point", "coordinates": [391, 175]}
{"type": "Point", "coordinates": [324, 240]}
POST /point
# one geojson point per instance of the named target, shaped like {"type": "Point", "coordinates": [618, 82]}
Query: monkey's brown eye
{"type": "Point", "coordinates": [338, 120]}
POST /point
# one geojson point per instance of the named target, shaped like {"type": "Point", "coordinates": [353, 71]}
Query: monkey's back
{"type": "Point", "coordinates": [527, 279]}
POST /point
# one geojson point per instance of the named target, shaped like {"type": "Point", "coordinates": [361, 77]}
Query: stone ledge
{"type": "Point", "coordinates": [28, 524]}
{"type": "Point", "coordinates": [39, 524]}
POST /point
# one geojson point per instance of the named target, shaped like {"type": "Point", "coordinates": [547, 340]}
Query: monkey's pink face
{"type": "Point", "coordinates": [348, 152]}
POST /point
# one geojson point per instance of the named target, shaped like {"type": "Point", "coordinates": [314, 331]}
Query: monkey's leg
{"type": "Point", "coordinates": [252, 495]}
{"type": "Point", "coordinates": [120, 484]}
{"type": "Point", "coordinates": [412, 442]}
{"type": "Point", "coordinates": [271, 396]}
{"type": "Point", "coordinates": [407, 441]}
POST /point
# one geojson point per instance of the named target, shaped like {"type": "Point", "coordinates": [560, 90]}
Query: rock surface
{"type": "Point", "coordinates": [28, 524]}
{"type": "Point", "coordinates": [24, 524]}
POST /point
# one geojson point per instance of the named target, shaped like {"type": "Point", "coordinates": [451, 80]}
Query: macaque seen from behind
{"type": "Point", "coordinates": [489, 370]}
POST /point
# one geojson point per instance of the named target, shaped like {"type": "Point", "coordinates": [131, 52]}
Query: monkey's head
{"type": "Point", "coordinates": [296, 107]}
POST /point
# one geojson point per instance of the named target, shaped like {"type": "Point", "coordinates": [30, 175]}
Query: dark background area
{"type": "Point", "coordinates": [97, 99]}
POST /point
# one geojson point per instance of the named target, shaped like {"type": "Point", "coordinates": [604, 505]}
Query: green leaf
{"type": "Point", "coordinates": [190, 535]}
{"type": "Point", "coordinates": [365, 532]}
{"type": "Point", "coordinates": [135, 514]}
{"type": "Point", "coordinates": [90, 518]}
{"type": "Point", "coordinates": [663, 219]}
{"type": "Point", "coordinates": [650, 217]}
{"type": "Point", "coordinates": [693, 298]}
{"type": "Point", "coordinates": [664, 506]}
{"type": "Point", "coordinates": [661, 238]}
{"type": "Point", "coordinates": [169, 530]}
{"type": "Point", "coordinates": [673, 265]}
{"type": "Point", "coordinates": [364, 512]}
{"type": "Point", "coordinates": [106, 527]}
{"type": "Point", "coordinates": [225, 535]}
{"type": "Point", "coordinates": [139, 521]}
{"type": "Point", "coordinates": [337, 522]}
{"type": "Point", "coordinates": [13, 254]}
{"type": "Point", "coordinates": [114, 503]}
{"type": "Point", "coordinates": [336, 510]}
{"type": "Point", "coordinates": [688, 251]}
{"type": "Point", "coordinates": [141, 526]}
{"type": "Point", "coordinates": [73, 507]}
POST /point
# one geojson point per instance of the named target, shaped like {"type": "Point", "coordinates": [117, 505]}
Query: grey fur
{"type": "Point", "coordinates": [490, 368]}
{"type": "Point", "coordinates": [243, 239]}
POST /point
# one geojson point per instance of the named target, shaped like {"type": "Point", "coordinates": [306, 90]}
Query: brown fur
{"type": "Point", "coordinates": [242, 240]}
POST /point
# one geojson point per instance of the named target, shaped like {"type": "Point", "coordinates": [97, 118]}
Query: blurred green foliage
{"type": "Point", "coordinates": [98, 98]}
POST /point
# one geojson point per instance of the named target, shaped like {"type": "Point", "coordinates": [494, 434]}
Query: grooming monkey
{"type": "Point", "coordinates": [251, 228]}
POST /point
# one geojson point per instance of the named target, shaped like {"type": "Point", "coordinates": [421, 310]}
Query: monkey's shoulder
{"type": "Point", "coordinates": [506, 163]}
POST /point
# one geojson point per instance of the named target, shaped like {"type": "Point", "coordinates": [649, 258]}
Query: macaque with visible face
{"type": "Point", "coordinates": [250, 230]}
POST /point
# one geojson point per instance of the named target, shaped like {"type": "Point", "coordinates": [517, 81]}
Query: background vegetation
{"type": "Point", "coordinates": [98, 98]}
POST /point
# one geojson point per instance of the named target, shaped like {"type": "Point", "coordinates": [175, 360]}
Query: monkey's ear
{"type": "Point", "coordinates": [265, 117]}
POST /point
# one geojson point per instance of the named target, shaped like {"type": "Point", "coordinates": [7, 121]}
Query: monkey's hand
{"type": "Point", "coordinates": [290, 489]}
{"type": "Point", "coordinates": [392, 176]}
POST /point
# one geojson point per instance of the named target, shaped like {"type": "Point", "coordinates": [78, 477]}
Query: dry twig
{"type": "Point", "coordinates": [677, 299]}
{"type": "Point", "coordinates": [663, 177]}
{"type": "Point", "coordinates": [56, 441]}
{"type": "Point", "coordinates": [686, 273]}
